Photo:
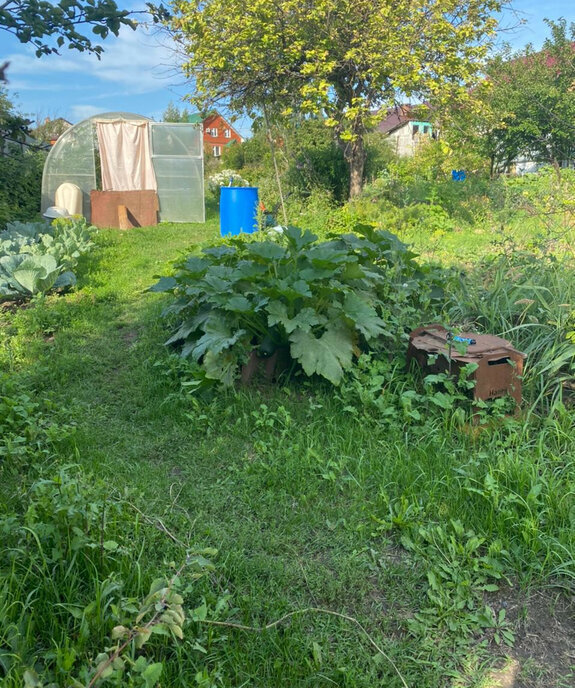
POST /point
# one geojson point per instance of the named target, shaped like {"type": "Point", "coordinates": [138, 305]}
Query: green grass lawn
{"type": "Point", "coordinates": [398, 537]}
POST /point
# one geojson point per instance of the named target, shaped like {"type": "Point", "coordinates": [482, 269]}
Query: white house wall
{"type": "Point", "coordinates": [404, 142]}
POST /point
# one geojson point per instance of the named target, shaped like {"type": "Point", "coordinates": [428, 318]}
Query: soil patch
{"type": "Point", "coordinates": [544, 652]}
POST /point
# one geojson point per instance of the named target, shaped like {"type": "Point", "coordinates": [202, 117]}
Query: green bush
{"type": "Point", "coordinates": [20, 185]}
{"type": "Point", "coordinates": [545, 197]}
{"type": "Point", "coordinates": [322, 302]}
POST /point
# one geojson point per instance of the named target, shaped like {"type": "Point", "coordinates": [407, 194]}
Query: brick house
{"type": "Point", "coordinates": [218, 132]}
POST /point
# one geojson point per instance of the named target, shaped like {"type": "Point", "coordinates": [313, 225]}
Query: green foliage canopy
{"type": "Point", "coordinates": [20, 165]}
{"type": "Point", "coordinates": [340, 58]}
{"type": "Point", "coordinates": [38, 21]}
{"type": "Point", "coordinates": [173, 114]}
{"type": "Point", "coordinates": [528, 101]}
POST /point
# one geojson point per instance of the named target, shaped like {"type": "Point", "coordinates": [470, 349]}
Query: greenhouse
{"type": "Point", "coordinates": [118, 167]}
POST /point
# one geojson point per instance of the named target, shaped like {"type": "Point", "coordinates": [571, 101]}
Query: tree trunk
{"type": "Point", "coordinates": [355, 156]}
{"type": "Point", "coordinates": [556, 167]}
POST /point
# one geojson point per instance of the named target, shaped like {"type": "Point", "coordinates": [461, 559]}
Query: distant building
{"type": "Point", "coordinates": [218, 132]}
{"type": "Point", "coordinates": [405, 130]}
{"type": "Point", "coordinates": [51, 130]}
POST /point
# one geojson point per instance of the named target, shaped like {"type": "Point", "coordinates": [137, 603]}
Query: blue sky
{"type": "Point", "coordinates": [137, 72]}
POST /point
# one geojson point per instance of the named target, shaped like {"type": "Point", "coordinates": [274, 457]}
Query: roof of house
{"type": "Point", "coordinates": [195, 118]}
{"type": "Point", "coordinates": [212, 118]}
{"type": "Point", "coordinates": [397, 117]}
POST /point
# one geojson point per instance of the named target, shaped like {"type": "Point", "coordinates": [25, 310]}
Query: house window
{"type": "Point", "coordinates": [217, 151]}
{"type": "Point", "coordinates": [426, 129]}
{"type": "Point", "coordinates": [415, 129]}
{"type": "Point", "coordinates": [227, 133]}
{"type": "Point", "coordinates": [213, 131]}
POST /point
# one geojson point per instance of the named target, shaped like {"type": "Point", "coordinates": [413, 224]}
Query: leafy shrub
{"type": "Point", "coordinates": [379, 156]}
{"type": "Point", "coordinates": [545, 195]}
{"type": "Point", "coordinates": [419, 193]}
{"type": "Point", "coordinates": [233, 155]}
{"type": "Point", "coordinates": [20, 184]}
{"type": "Point", "coordinates": [322, 302]}
{"type": "Point", "coordinates": [29, 431]}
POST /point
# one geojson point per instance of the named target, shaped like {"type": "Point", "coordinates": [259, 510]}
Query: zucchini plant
{"type": "Point", "coordinates": [323, 302]}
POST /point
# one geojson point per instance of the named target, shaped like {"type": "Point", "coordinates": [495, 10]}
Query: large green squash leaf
{"type": "Point", "coordinates": [363, 315]}
{"type": "Point", "coordinates": [222, 366]}
{"type": "Point", "coordinates": [303, 320]}
{"type": "Point", "coordinates": [219, 252]}
{"type": "Point", "coordinates": [298, 239]}
{"type": "Point", "coordinates": [327, 356]}
{"type": "Point", "coordinates": [266, 250]}
{"type": "Point", "coordinates": [328, 255]}
{"type": "Point", "coordinates": [217, 337]}
{"type": "Point", "coordinates": [287, 290]}
{"type": "Point", "coordinates": [164, 284]}
{"type": "Point", "coordinates": [237, 303]}
{"type": "Point", "coordinates": [196, 266]}
{"type": "Point", "coordinates": [248, 270]}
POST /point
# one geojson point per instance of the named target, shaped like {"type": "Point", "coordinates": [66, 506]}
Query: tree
{"type": "Point", "coordinates": [343, 59]}
{"type": "Point", "coordinates": [20, 166]}
{"type": "Point", "coordinates": [13, 125]}
{"type": "Point", "coordinates": [528, 104]}
{"type": "Point", "coordinates": [38, 21]}
{"type": "Point", "coordinates": [50, 129]}
{"type": "Point", "coordinates": [174, 114]}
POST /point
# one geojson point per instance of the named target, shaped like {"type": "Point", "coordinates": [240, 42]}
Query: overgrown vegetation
{"type": "Point", "coordinates": [367, 533]}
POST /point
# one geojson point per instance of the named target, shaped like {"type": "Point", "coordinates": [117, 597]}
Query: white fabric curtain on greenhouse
{"type": "Point", "coordinates": [125, 155]}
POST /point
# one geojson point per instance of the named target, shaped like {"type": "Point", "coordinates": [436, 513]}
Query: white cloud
{"type": "Point", "coordinates": [137, 61]}
{"type": "Point", "coordinates": [27, 64]}
{"type": "Point", "coordinates": [137, 72]}
{"type": "Point", "coordinates": [80, 112]}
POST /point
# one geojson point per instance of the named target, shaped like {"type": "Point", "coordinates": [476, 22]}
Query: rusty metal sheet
{"type": "Point", "coordinates": [140, 208]}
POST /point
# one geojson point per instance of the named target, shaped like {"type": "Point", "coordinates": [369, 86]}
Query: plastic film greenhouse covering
{"type": "Point", "coordinates": [177, 158]}
{"type": "Point", "coordinates": [71, 159]}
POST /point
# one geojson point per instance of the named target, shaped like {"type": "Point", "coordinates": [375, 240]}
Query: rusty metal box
{"type": "Point", "coordinates": [500, 366]}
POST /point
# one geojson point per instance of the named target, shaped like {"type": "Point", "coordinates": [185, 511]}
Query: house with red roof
{"type": "Point", "coordinates": [218, 132]}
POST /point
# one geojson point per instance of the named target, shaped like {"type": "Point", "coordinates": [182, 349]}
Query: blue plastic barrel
{"type": "Point", "coordinates": [238, 209]}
